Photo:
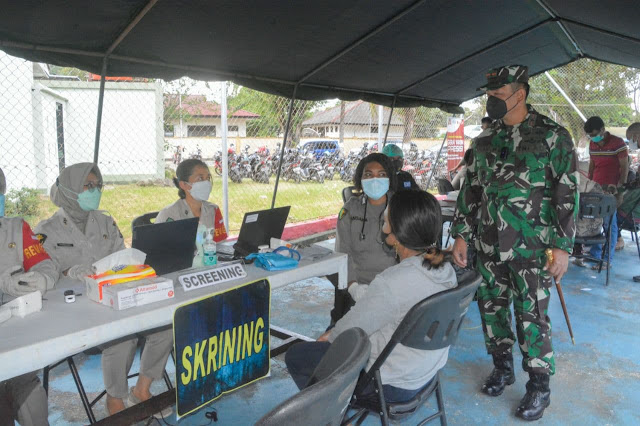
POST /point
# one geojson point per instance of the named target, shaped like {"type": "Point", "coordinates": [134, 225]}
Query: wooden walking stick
{"type": "Point", "coordinates": [549, 254]}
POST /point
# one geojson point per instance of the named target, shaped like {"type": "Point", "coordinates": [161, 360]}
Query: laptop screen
{"type": "Point", "coordinates": [169, 246]}
{"type": "Point", "coordinates": [259, 227]}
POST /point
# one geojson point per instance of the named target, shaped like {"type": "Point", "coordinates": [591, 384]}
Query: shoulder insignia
{"type": "Point", "coordinates": [41, 237]}
{"type": "Point", "coordinates": [343, 212]}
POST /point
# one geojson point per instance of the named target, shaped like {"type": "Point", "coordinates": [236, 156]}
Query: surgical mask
{"type": "Point", "coordinates": [375, 188]}
{"type": "Point", "coordinates": [497, 108]}
{"type": "Point", "coordinates": [201, 190]}
{"type": "Point", "coordinates": [90, 199]}
{"type": "Point", "coordinates": [596, 138]}
{"type": "Point", "coordinates": [1, 205]}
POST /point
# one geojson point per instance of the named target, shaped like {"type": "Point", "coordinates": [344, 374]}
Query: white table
{"type": "Point", "coordinates": [62, 329]}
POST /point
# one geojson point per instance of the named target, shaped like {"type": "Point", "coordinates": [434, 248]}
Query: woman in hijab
{"type": "Point", "coordinates": [75, 237]}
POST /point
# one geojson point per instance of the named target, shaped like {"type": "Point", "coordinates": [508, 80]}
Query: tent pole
{"type": "Point", "coordinates": [96, 148]}
{"type": "Point", "coordinates": [284, 145]}
{"type": "Point", "coordinates": [562, 92]}
{"type": "Point", "coordinates": [225, 158]}
{"type": "Point", "coordinates": [381, 139]}
{"type": "Point", "coordinates": [435, 164]}
{"type": "Point", "coordinates": [386, 133]}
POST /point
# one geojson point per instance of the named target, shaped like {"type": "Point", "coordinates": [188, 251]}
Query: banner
{"type": "Point", "coordinates": [455, 142]}
{"type": "Point", "coordinates": [221, 344]}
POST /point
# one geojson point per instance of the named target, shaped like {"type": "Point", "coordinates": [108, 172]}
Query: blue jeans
{"type": "Point", "coordinates": [596, 250]}
{"type": "Point", "coordinates": [302, 359]}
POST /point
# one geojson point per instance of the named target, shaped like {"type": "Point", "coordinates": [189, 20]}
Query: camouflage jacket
{"type": "Point", "coordinates": [523, 181]}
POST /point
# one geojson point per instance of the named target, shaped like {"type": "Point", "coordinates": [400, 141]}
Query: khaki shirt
{"type": "Point", "coordinates": [369, 256]}
{"type": "Point", "coordinates": [12, 252]}
{"type": "Point", "coordinates": [68, 246]}
{"type": "Point", "coordinates": [210, 216]}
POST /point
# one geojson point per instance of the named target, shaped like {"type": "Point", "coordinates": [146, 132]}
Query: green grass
{"type": "Point", "coordinates": [308, 200]}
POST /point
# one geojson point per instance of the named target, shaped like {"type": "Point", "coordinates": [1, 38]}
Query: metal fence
{"type": "Point", "coordinates": [48, 121]}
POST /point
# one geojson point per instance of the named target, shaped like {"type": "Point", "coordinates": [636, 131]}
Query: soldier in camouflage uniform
{"type": "Point", "coordinates": [522, 180]}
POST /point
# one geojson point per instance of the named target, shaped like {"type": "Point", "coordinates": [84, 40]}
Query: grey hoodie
{"type": "Point", "coordinates": [380, 309]}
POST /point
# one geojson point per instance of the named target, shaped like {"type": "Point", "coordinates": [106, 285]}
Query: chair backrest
{"type": "Point", "coordinates": [348, 192]}
{"type": "Point", "coordinates": [434, 322]}
{"type": "Point", "coordinates": [325, 399]}
{"type": "Point", "coordinates": [145, 219]}
{"type": "Point", "coordinates": [595, 206]}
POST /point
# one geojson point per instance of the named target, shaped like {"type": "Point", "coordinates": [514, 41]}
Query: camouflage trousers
{"type": "Point", "coordinates": [528, 286]}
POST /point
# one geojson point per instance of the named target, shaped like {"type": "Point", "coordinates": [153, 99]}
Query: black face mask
{"type": "Point", "coordinates": [497, 108]}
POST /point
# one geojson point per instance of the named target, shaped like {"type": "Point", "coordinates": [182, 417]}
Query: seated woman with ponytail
{"type": "Point", "coordinates": [193, 181]}
{"type": "Point", "coordinates": [412, 221]}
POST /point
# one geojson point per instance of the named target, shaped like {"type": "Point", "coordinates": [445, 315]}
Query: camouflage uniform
{"type": "Point", "coordinates": [523, 181]}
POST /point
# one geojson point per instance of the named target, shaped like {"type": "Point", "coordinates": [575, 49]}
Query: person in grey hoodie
{"type": "Point", "coordinates": [412, 222]}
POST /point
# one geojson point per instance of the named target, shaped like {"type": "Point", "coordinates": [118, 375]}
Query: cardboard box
{"type": "Point", "coordinates": [137, 293]}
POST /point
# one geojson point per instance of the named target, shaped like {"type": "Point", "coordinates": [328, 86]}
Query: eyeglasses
{"type": "Point", "coordinates": [90, 185]}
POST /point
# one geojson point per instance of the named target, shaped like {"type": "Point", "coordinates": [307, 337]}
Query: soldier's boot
{"type": "Point", "coordinates": [501, 376]}
{"type": "Point", "coordinates": [537, 398]}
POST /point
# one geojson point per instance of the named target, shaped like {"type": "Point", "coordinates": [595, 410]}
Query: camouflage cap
{"type": "Point", "coordinates": [498, 77]}
{"type": "Point", "coordinates": [392, 150]}
{"type": "Point", "coordinates": [3, 183]}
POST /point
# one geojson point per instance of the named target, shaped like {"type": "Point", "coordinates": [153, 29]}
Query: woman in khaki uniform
{"type": "Point", "coordinates": [76, 236]}
{"type": "Point", "coordinates": [24, 267]}
{"type": "Point", "coordinates": [193, 181]}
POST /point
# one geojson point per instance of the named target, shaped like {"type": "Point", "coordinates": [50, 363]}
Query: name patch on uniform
{"type": "Point", "coordinates": [213, 276]}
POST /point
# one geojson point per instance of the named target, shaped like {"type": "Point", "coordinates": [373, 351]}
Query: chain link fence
{"type": "Point", "coordinates": [48, 121]}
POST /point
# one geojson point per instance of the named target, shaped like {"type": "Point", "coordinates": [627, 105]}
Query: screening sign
{"type": "Point", "coordinates": [221, 344]}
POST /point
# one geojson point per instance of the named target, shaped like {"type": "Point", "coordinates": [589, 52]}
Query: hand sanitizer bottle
{"type": "Point", "coordinates": [210, 253]}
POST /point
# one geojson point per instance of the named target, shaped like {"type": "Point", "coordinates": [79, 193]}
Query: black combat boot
{"type": "Point", "coordinates": [537, 398]}
{"type": "Point", "coordinates": [501, 376]}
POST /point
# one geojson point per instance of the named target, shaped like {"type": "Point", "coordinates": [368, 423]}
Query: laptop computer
{"type": "Point", "coordinates": [169, 246]}
{"type": "Point", "coordinates": [258, 228]}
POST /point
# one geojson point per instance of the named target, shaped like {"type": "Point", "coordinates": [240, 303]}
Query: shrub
{"type": "Point", "coordinates": [23, 202]}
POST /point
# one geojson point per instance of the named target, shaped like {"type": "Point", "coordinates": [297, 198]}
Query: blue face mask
{"type": "Point", "coordinates": [375, 188]}
{"type": "Point", "coordinates": [1, 205]}
{"type": "Point", "coordinates": [596, 138]}
{"type": "Point", "coordinates": [90, 199]}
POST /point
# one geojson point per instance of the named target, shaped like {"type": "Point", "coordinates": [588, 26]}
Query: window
{"type": "Point", "coordinates": [374, 129]}
{"type": "Point", "coordinates": [201, 131]}
{"type": "Point", "coordinates": [232, 128]}
{"type": "Point", "coordinates": [168, 130]}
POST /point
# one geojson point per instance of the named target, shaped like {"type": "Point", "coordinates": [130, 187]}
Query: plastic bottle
{"type": "Point", "coordinates": [198, 259]}
{"type": "Point", "coordinates": [210, 252]}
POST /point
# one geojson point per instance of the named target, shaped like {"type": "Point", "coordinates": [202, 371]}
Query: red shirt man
{"type": "Point", "coordinates": [609, 155]}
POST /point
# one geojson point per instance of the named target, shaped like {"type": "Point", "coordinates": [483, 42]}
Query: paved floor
{"type": "Point", "coordinates": [597, 380]}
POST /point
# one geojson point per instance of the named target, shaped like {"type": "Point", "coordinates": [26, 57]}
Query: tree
{"type": "Point", "coordinates": [409, 118]}
{"type": "Point", "coordinates": [597, 88]}
{"type": "Point", "coordinates": [273, 111]}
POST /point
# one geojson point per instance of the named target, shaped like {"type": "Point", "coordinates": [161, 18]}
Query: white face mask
{"type": "Point", "coordinates": [201, 190]}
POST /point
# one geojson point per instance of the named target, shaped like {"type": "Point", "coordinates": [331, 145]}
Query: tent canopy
{"type": "Point", "coordinates": [433, 53]}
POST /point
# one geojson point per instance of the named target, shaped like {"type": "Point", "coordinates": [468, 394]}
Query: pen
{"type": "Point", "coordinates": [19, 271]}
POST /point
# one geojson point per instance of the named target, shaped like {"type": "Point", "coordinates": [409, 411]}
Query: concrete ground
{"type": "Point", "coordinates": [597, 381]}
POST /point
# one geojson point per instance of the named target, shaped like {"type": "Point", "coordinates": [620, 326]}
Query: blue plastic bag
{"type": "Point", "coordinates": [274, 261]}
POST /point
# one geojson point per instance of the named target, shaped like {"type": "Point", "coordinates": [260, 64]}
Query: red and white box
{"type": "Point", "coordinates": [137, 293]}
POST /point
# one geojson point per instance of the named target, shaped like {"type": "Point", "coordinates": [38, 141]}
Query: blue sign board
{"type": "Point", "coordinates": [221, 344]}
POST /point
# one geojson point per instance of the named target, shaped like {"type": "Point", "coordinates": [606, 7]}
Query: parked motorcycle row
{"type": "Point", "coordinates": [304, 166]}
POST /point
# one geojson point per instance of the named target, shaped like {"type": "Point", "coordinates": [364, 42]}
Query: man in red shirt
{"type": "Point", "coordinates": [608, 166]}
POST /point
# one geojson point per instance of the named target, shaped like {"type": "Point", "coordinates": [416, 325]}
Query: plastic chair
{"type": "Point", "coordinates": [630, 222]}
{"type": "Point", "coordinates": [348, 192]}
{"type": "Point", "coordinates": [431, 324]}
{"type": "Point", "coordinates": [596, 206]}
{"type": "Point", "coordinates": [145, 219]}
{"type": "Point", "coordinates": [325, 398]}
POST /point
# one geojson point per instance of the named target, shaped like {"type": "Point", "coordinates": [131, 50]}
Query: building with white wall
{"type": "Point", "coordinates": [192, 116]}
{"type": "Point", "coordinates": [48, 122]}
{"type": "Point", "coordinates": [360, 121]}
